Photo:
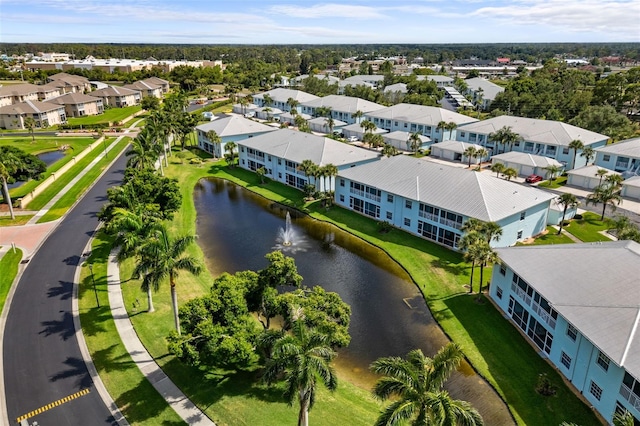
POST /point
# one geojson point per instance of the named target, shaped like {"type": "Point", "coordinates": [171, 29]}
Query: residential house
{"type": "Point", "coordinates": [539, 137]}
{"type": "Point", "coordinates": [44, 114]}
{"type": "Point", "coordinates": [232, 128]}
{"type": "Point", "coordinates": [440, 80]}
{"type": "Point", "coordinates": [356, 130]}
{"type": "Point", "coordinates": [527, 164]}
{"type": "Point", "coordinates": [587, 177]}
{"type": "Point", "coordinates": [579, 305]}
{"type": "Point", "coordinates": [418, 118]}
{"type": "Point", "coordinates": [281, 153]}
{"type": "Point", "coordinates": [342, 107]}
{"type": "Point", "coordinates": [146, 89]}
{"type": "Point", "coordinates": [623, 157]}
{"type": "Point", "coordinates": [371, 81]}
{"type": "Point", "coordinates": [280, 96]}
{"type": "Point", "coordinates": [118, 97]}
{"type": "Point", "coordinates": [401, 140]}
{"type": "Point", "coordinates": [48, 91]}
{"type": "Point", "coordinates": [482, 91]}
{"type": "Point", "coordinates": [287, 117]}
{"type": "Point", "coordinates": [70, 83]}
{"type": "Point", "coordinates": [321, 125]}
{"type": "Point", "coordinates": [78, 104]}
{"type": "Point", "coordinates": [455, 151]}
{"type": "Point", "coordinates": [17, 93]}
{"type": "Point", "coordinates": [435, 200]}
{"type": "Point", "coordinates": [157, 81]}
{"type": "Point", "coordinates": [631, 188]}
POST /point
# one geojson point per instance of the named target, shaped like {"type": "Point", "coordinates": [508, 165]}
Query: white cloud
{"type": "Point", "coordinates": [327, 10]}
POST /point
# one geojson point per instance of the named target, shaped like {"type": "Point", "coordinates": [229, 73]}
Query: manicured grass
{"type": "Point", "coordinates": [46, 195]}
{"type": "Point", "coordinates": [8, 271]}
{"type": "Point", "coordinates": [552, 184]}
{"type": "Point", "coordinates": [588, 228]}
{"type": "Point", "coordinates": [110, 115]}
{"type": "Point", "coordinates": [67, 200]}
{"type": "Point", "coordinates": [493, 345]}
{"type": "Point", "coordinates": [551, 237]}
{"type": "Point", "coordinates": [140, 403]}
{"type": "Point", "coordinates": [19, 220]}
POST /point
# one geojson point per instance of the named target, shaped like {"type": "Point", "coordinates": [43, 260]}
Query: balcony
{"type": "Point", "coordinates": [372, 197]}
{"type": "Point", "coordinates": [357, 192]}
{"type": "Point", "coordinates": [521, 294]}
{"type": "Point", "coordinates": [450, 223]}
{"type": "Point", "coordinates": [429, 216]}
{"type": "Point", "coordinates": [291, 169]}
{"type": "Point", "coordinates": [544, 315]}
{"type": "Point", "coordinates": [630, 396]}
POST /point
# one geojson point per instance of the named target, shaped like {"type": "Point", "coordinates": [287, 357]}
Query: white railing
{"type": "Point", "coordinates": [450, 223]}
{"type": "Point", "coordinates": [357, 192]}
{"type": "Point", "coordinates": [372, 196]}
{"type": "Point", "coordinates": [546, 317]}
{"type": "Point", "coordinates": [429, 216]}
{"type": "Point", "coordinates": [630, 396]}
{"type": "Point", "coordinates": [252, 156]}
{"type": "Point", "coordinates": [290, 169]}
{"type": "Point", "coordinates": [622, 164]}
{"type": "Point", "coordinates": [521, 293]}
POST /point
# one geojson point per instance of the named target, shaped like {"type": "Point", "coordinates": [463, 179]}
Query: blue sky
{"type": "Point", "coordinates": [317, 22]}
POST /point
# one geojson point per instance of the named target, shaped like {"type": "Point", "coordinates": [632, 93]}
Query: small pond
{"type": "Point", "coordinates": [49, 158]}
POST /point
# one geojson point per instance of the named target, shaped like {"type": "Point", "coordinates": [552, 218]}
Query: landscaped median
{"type": "Point", "coordinates": [8, 271]}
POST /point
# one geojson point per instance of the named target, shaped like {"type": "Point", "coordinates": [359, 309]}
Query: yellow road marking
{"type": "Point", "coordinates": [52, 405]}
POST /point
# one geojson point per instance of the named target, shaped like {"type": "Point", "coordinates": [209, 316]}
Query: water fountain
{"type": "Point", "coordinates": [288, 240]}
{"type": "Point", "coordinates": [286, 234]}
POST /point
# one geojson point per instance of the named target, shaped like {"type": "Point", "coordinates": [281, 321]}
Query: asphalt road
{"type": "Point", "coordinates": [42, 361]}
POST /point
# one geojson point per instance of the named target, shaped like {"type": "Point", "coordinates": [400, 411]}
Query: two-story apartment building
{"type": "Point", "coordinates": [78, 104]}
{"type": "Point", "coordinates": [373, 81]}
{"type": "Point", "coordinates": [539, 137]}
{"type": "Point", "coordinates": [418, 118]}
{"type": "Point", "coordinates": [434, 200]}
{"type": "Point", "coordinates": [16, 93]}
{"type": "Point", "coordinates": [157, 81]}
{"type": "Point", "coordinates": [146, 89]}
{"type": "Point", "coordinates": [118, 97]}
{"type": "Point", "coordinates": [44, 114]}
{"type": "Point", "coordinates": [69, 83]}
{"type": "Point", "coordinates": [280, 96]}
{"type": "Point", "coordinates": [623, 157]}
{"type": "Point", "coordinates": [232, 128]}
{"type": "Point", "coordinates": [281, 153]}
{"type": "Point", "coordinates": [579, 304]}
{"type": "Point", "coordinates": [342, 107]}
{"type": "Point", "coordinates": [482, 91]}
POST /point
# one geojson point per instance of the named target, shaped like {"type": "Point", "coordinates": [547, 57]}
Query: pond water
{"type": "Point", "coordinates": [237, 228]}
{"type": "Point", "coordinates": [49, 158]}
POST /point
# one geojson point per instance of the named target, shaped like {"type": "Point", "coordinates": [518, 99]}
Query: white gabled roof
{"type": "Point", "coordinates": [233, 125]}
{"type": "Point", "coordinates": [343, 104]}
{"type": "Point", "coordinates": [113, 91]}
{"type": "Point", "coordinates": [398, 87]}
{"type": "Point", "coordinates": [594, 286]}
{"type": "Point", "coordinates": [527, 159]}
{"type": "Point", "coordinates": [399, 135]}
{"type": "Point", "coordinates": [455, 146]}
{"type": "Point", "coordinates": [590, 171]}
{"type": "Point", "coordinates": [627, 148]}
{"type": "Point", "coordinates": [535, 130]}
{"type": "Point", "coordinates": [30, 107]}
{"type": "Point", "coordinates": [421, 114]}
{"type": "Point", "coordinates": [299, 146]}
{"type": "Point", "coordinates": [321, 121]}
{"type": "Point", "coordinates": [489, 90]}
{"type": "Point", "coordinates": [632, 181]}
{"type": "Point", "coordinates": [282, 95]}
{"type": "Point", "coordinates": [469, 193]}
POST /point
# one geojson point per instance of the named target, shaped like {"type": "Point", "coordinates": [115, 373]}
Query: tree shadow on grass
{"type": "Point", "coordinates": [142, 402]}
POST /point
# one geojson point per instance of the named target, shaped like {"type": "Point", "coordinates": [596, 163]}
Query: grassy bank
{"type": "Point", "coordinates": [8, 271]}
{"type": "Point", "coordinates": [111, 115]}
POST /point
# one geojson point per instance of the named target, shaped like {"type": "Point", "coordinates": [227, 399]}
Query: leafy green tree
{"type": "Point", "coordinates": [417, 382]}
{"type": "Point", "coordinates": [303, 359]}
{"type": "Point", "coordinates": [605, 120]}
{"type": "Point", "coordinates": [575, 145]}
{"type": "Point", "coordinates": [8, 163]}
{"type": "Point", "coordinates": [607, 194]}
{"type": "Point", "coordinates": [163, 258]}
{"type": "Point", "coordinates": [150, 103]}
{"type": "Point", "coordinates": [230, 154]}
{"type": "Point", "coordinates": [15, 164]}
{"type": "Point", "coordinates": [567, 201]}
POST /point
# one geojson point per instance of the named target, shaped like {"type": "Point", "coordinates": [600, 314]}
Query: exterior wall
{"type": "Point", "coordinates": [83, 109]}
{"type": "Point", "coordinates": [12, 121]}
{"type": "Point", "coordinates": [631, 191]}
{"type": "Point", "coordinates": [345, 116]}
{"type": "Point", "coordinates": [429, 130]}
{"type": "Point", "coordinates": [618, 163]}
{"type": "Point", "coordinates": [405, 214]}
{"type": "Point", "coordinates": [580, 363]}
{"type": "Point", "coordinates": [583, 181]}
{"type": "Point", "coordinates": [44, 119]}
{"type": "Point", "coordinates": [6, 100]}
{"type": "Point", "coordinates": [217, 149]}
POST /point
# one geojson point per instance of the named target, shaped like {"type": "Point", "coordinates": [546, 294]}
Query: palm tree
{"type": "Point", "coordinates": [415, 141]}
{"type": "Point", "coordinates": [329, 122]}
{"type": "Point", "coordinates": [293, 104]}
{"type": "Point", "coordinates": [480, 154]}
{"type": "Point", "coordinates": [376, 140]}
{"type": "Point", "coordinates": [601, 173]}
{"type": "Point", "coordinates": [614, 179]}
{"type": "Point", "coordinates": [553, 171]}
{"type": "Point", "coordinates": [497, 168]}
{"type": "Point", "coordinates": [484, 255]}
{"type": "Point", "coordinates": [451, 126]}
{"type": "Point", "coordinates": [505, 136]}
{"type": "Point", "coordinates": [261, 171]}
{"type": "Point", "coordinates": [575, 145]}
{"type": "Point", "coordinates": [417, 382]}
{"type": "Point", "coordinates": [299, 121]}
{"type": "Point", "coordinates": [330, 171]}
{"type": "Point", "coordinates": [143, 153]}
{"type": "Point", "coordinates": [470, 153]}
{"type": "Point", "coordinates": [30, 125]}
{"type": "Point", "coordinates": [509, 173]}
{"type": "Point", "coordinates": [368, 126]}
{"type": "Point", "coordinates": [268, 100]}
{"type": "Point", "coordinates": [162, 258]}
{"type": "Point", "coordinates": [607, 194]}
{"type": "Point", "coordinates": [567, 200]}
{"type": "Point", "coordinates": [244, 102]}
{"type": "Point", "coordinates": [230, 156]}
{"type": "Point", "coordinates": [357, 115]}
{"type": "Point", "coordinates": [468, 244]}
{"type": "Point", "coordinates": [8, 165]}
{"type": "Point", "coordinates": [214, 139]}
{"type": "Point", "coordinates": [389, 150]}
{"type": "Point", "coordinates": [303, 359]}
{"type": "Point", "coordinates": [309, 168]}
{"type": "Point", "coordinates": [588, 153]}
{"type": "Point", "coordinates": [442, 126]}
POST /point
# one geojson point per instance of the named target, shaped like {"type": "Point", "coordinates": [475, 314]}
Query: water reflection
{"type": "Point", "coordinates": [389, 316]}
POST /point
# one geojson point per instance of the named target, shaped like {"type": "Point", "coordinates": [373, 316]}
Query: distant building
{"type": "Point", "coordinates": [118, 97]}
{"type": "Point", "coordinates": [44, 114]}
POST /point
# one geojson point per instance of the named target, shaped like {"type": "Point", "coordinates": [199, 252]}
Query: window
{"type": "Point", "coordinates": [606, 157]}
{"type": "Point", "coordinates": [519, 235]}
{"type": "Point", "coordinates": [407, 204]}
{"type": "Point", "coordinates": [341, 198]}
{"type": "Point", "coordinates": [565, 360]}
{"type": "Point", "coordinates": [389, 216]}
{"type": "Point", "coordinates": [523, 215]}
{"type": "Point", "coordinates": [242, 149]}
{"type": "Point", "coordinates": [565, 151]}
{"type": "Point", "coordinates": [341, 182]}
{"type": "Point", "coordinates": [407, 221]}
{"type": "Point", "coordinates": [603, 361]}
{"type": "Point", "coordinates": [572, 332]}
{"type": "Point", "coordinates": [279, 175]}
{"type": "Point", "coordinates": [503, 269]}
{"type": "Point", "coordinates": [462, 134]}
{"type": "Point", "coordinates": [499, 292]}
{"type": "Point", "coordinates": [595, 390]}
{"type": "Point", "coordinates": [389, 198]}
{"type": "Point", "coordinates": [279, 161]}
{"type": "Point", "coordinates": [405, 125]}
{"type": "Point", "coordinates": [243, 161]}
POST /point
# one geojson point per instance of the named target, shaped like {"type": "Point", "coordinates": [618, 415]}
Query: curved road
{"type": "Point", "coordinates": [42, 360]}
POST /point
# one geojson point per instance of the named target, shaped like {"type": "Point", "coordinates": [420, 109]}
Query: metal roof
{"type": "Point", "coordinates": [489, 90]}
{"type": "Point", "coordinates": [420, 114]}
{"type": "Point", "coordinates": [594, 286]}
{"type": "Point", "coordinates": [343, 104]}
{"type": "Point", "coordinates": [454, 146]}
{"type": "Point", "coordinates": [234, 125]}
{"type": "Point", "coordinates": [282, 95]}
{"type": "Point", "coordinates": [527, 159]}
{"type": "Point", "coordinates": [590, 171]}
{"type": "Point", "coordinates": [467, 192]}
{"type": "Point", "coordinates": [628, 148]}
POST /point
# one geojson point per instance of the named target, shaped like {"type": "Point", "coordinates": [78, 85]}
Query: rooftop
{"type": "Point", "coordinates": [421, 114]}
{"type": "Point", "coordinates": [628, 148]}
{"type": "Point", "coordinates": [233, 125]}
{"type": "Point", "coordinates": [344, 104]}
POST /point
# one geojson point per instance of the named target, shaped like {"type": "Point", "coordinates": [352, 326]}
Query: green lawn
{"type": "Point", "coordinates": [67, 200]}
{"type": "Point", "coordinates": [494, 347]}
{"type": "Point", "coordinates": [112, 115]}
{"type": "Point", "coordinates": [8, 271]}
{"type": "Point", "coordinates": [19, 220]}
{"type": "Point", "coordinates": [587, 229]}
{"type": "Point", "coordinates": [553, 184]}
{"type": "Point", "coordinates": [551, 237]}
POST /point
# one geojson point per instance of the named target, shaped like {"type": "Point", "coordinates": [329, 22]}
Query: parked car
{"type": "Point", "coordinates": [533, 179]}
{"type": "Point", "coordinates": [353, 139]}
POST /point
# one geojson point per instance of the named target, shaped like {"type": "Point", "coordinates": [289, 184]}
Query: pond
{"type": "Point", "coordinates": [237, 228]}
{"type": "Point", "coordinates": [49, 158]}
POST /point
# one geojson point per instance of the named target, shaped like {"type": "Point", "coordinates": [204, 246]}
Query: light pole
{"type": "Point", "coordinates": [94, 284]}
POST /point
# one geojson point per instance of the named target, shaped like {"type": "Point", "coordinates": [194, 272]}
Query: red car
{"type": "Point", "coordinates": [533, 179]}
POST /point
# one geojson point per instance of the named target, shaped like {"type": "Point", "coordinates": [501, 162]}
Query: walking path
{"type": "Point", "coordinates": [29, 237]}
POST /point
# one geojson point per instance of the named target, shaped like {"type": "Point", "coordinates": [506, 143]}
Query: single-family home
{"type": "Point", "coordinates": [44, 114]}
{"type": "Point", "coordinates": [78, 104]}
{"type": "Point", "coordinates": [280, 97]}
{"type": "Point", "coordinates": [623, 157]}
{"type": "Point", "coordinates": [232, 128]}
{"type": "Point", "coordinates": [118, 97]}
{"type": "Point", "coordinates": [579, 305]}
{"type": "Point", "coordinates": [16, 93]}
{"type": "Point", "coordinates": [539, 137]}
{"type": "Point", "coordinates": [434, 200]}
{"type": "Point", "coordinates": [402, 140]}
{"type": "Point", "coordinates": [631, 188]}
{"type": "Point", "coordinates": [482, 91]}
{"type": "Point", "coordinates": [418, 118]}
{"type": "Point", "coordinates": [342, 107]}
{"type": "Point", "coordinates": [70, 82]}
{"type": "Point", "coordinates": [146, 89]}
{"type": "Point", "coordinates": [455, 151]}
{"type": "Point", "coordinates": [281, 153]}
{"type": "Point", "coordinates": [588, 177]}
{"type": "Point", "coordinates": [527, 164]}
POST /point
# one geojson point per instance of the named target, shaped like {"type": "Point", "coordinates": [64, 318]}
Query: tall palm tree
{"type": "Point", "coordinates": [143, 153]}
{"type": "Point", "coordinates": [8, 165]}
{"type": "Point", "coordinates": [451, 126]}
{"type": "Point", "coordinates": [601, 173]}
{"type": "Point", "coordinates": [468, 244]}
{"type": "Point", "coordinates": [442, 126]}
{"type": "Point", "coordinates": [607, 194]}
{"type": "Point", "coordinates": [588, 153]}
{"type": "Point", "coordinates": [566, 200]}
{"type": "Point", "coordinates": [368, 126]}
{"type": "Point", "coordinates": [330, 171]}
{"type": "Point", "coordinates": [389, 150]}
{"type": "Point", "coordinates": [575, 145]}
{"type": "Point", "coordinates": [497, 168]}
{"type": "Point", "coordinates": [213, 137]}
{"type": "Point", "coordinates": [614, 179]}
{"type": "Point", "coordinates": [553, 171]}
{"type": "Point", "coordinates": [309, 168]}
{"type": "Point", "coordinates": [470, 153]}
{"type": "Point", "coordinates": [415, 141]}
{"type": "Point", "coordinates": [162, 258]}
{"type": "Point", "coordinates": [303, 359]}
{"type": "Point", "coordinates": [230, 156]}
{"type": "Point", "coordinates": [157, 125]}
{"type": "Point", "coordinates": [329, 122]}
{"type": "Point", "coordinates": [244, 102]}
{"type": "Point", "coordinates": [417, 382]}
{"type": "Point", "coordinates": [505, 137]}
{"type": "Point", "coordinates": [509, 173]}
{"type": "Point", "coordinates": [484, 256]}
{"type": "Point", "coordinates": [293, 105]}
{"type": "Point", "coordinates": [480, 154]}
{"type": "Point", "coordinates": [268, 100]}
{"type": "Point", "coordinates": [357, 116]}
{"type": "Point", "coordinates": [30, 125]}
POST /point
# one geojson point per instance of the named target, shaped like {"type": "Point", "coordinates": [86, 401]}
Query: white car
{"type": "Point", "coordinates": [353, 139]}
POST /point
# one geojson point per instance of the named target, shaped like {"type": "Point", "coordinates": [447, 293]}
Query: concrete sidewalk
{"type": "Point", "coordinates": [149, 368]}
